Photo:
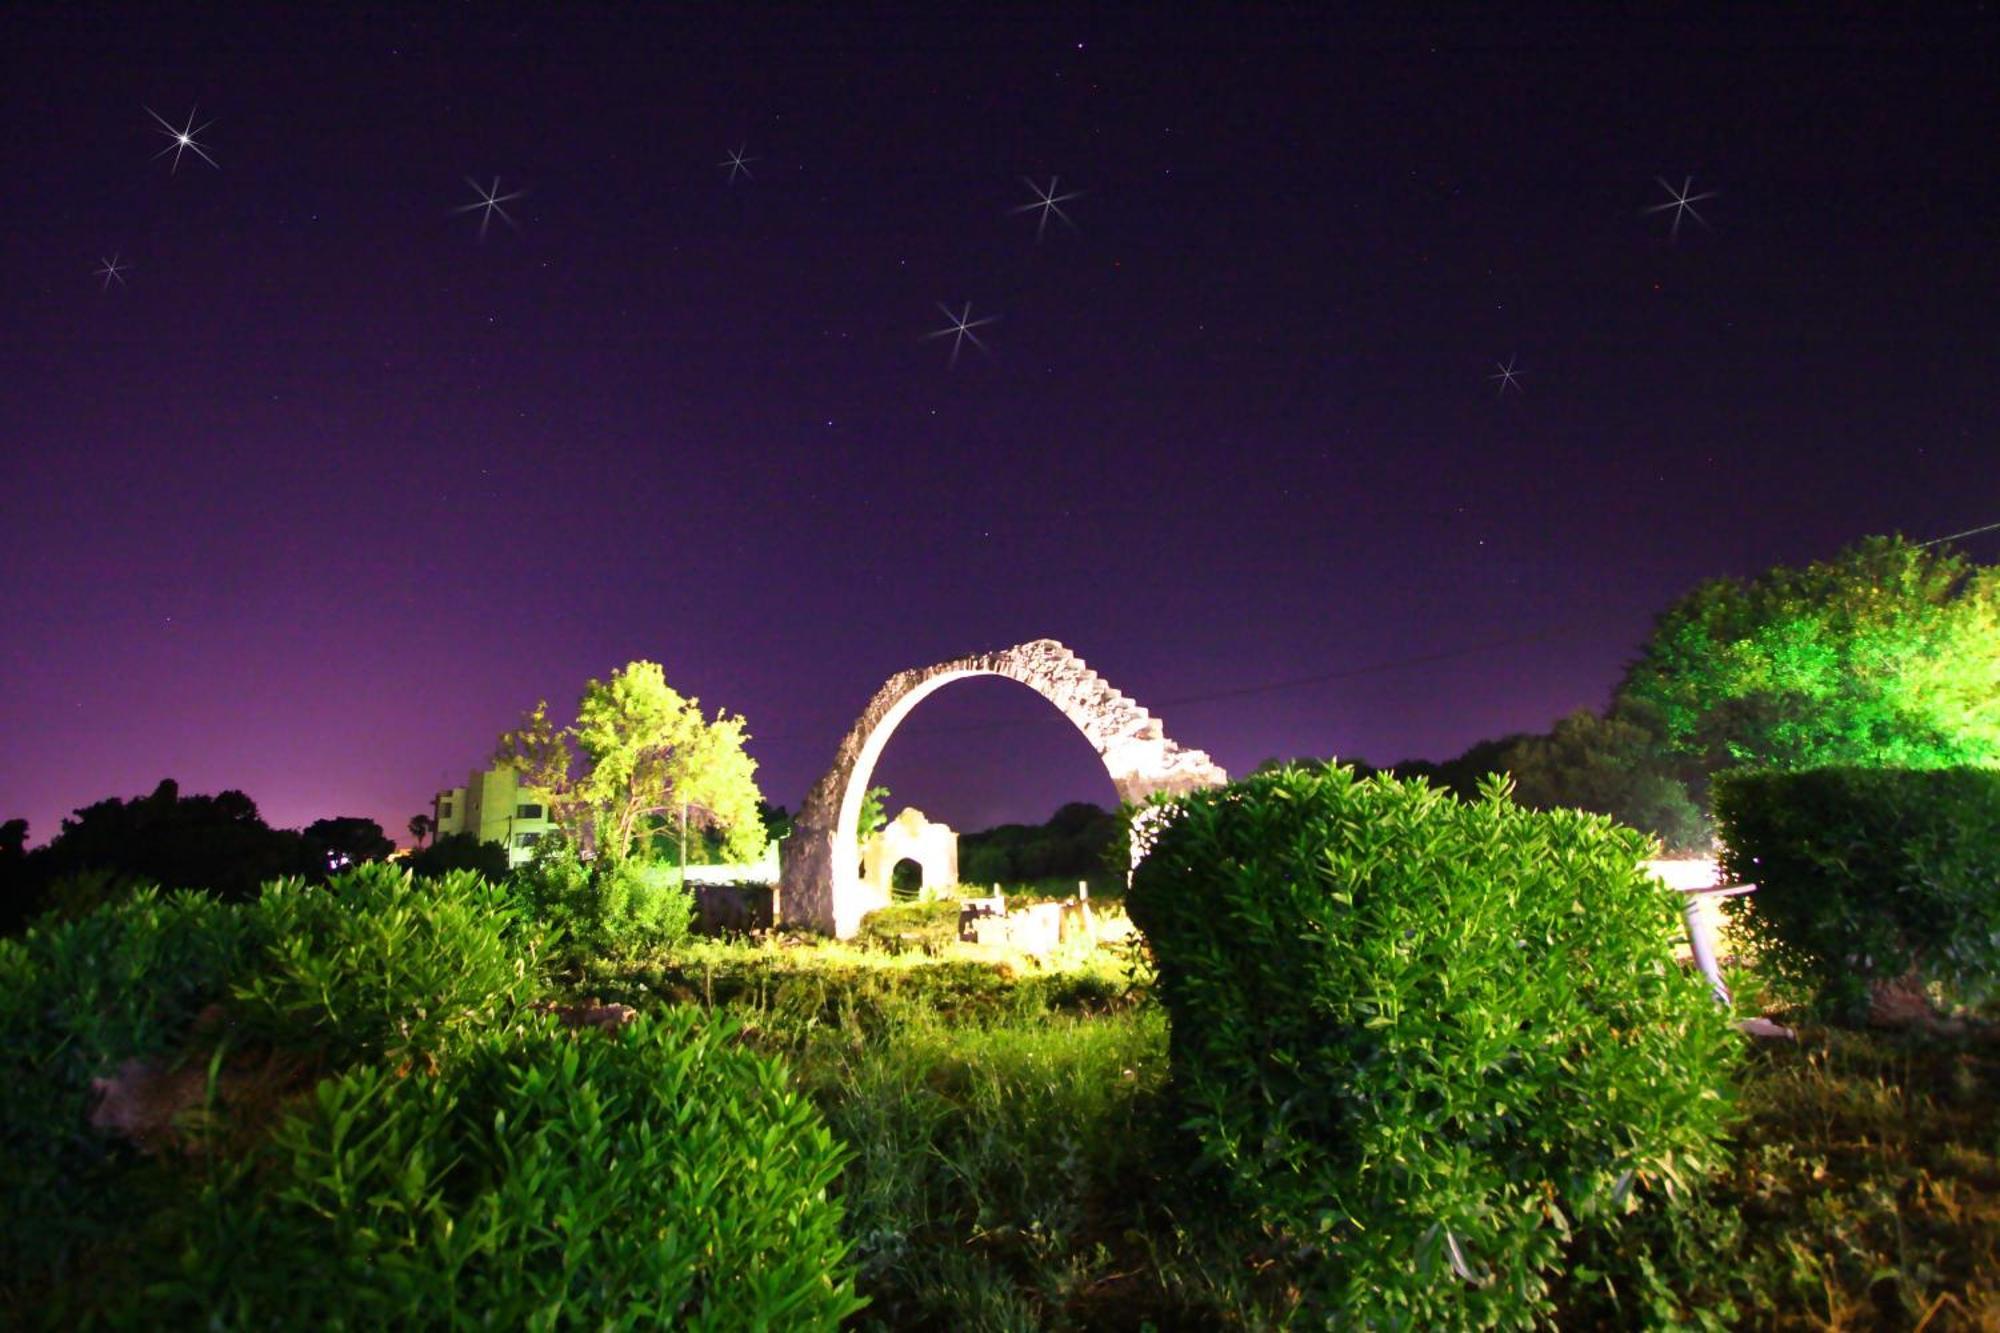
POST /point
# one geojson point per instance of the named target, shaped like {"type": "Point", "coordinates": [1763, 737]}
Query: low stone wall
{"type": "Point", "coordinates": [722, 909]}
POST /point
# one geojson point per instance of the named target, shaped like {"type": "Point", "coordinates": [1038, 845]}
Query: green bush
{"type": "Point", "coordinates": [612, 908]}
{"type": "Point", "coordinates": [927, 927]}
{"type": "Point", "coordinates": [379, 965]}
{"type": "Point", "coordinates": [661, 1175]}
{"type": "Point", "coordinates": [369, 965]}
{"type": "Point", "coordinates": [1868, 875]}
{"type": "Point", "coordinates": [1440, 1050]}
{"type": "Point", "coordinates": [77, 998]}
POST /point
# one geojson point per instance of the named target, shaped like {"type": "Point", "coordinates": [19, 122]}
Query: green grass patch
{"type": "Point", "coordinates": [1868, 1180]}
{"type": "Point", "coordinates": [1015, 1164]}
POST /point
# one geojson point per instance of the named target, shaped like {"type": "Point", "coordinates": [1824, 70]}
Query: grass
{"type": "Point", "coordinates": [1868, 1180]}
{"type": "Point", "coordinates": [1015, 1162]}
{"type": "Point", "coordinates": [1016, 1166]}
{"type": "Point", "coordinates": [1007, 1124]}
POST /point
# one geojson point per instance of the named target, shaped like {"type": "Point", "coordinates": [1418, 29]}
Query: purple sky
{"type": "Point", "coordinates": [327, 489]}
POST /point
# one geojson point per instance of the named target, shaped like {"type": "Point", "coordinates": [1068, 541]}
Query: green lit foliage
{"type": "Point", "coordinates": [1888, 655]}
{"type": "Point", "coordinates": [377, 965]}
{"type": "Point", "coordinates": [1439, 1050]}
{"type": "Point", "coordinates": [368, 966]}
{"type": "Point", "coordinates": [926, 927]}
{"type": "Point", "coordinates": [640, 748]}
{"type": "Point", "coordinates": [662, 1175]}
{"type": "Point", "coordinates": [77, 998]}
{"type": "Point", "coordinates": [610, 908]}
{"type": "Point", "coordinates": [1867, 876]}
{"type": "Point", "coordinates": [874, 816]}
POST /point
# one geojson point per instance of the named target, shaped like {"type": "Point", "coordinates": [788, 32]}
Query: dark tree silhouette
{"type": "Point", "coordinates": [346, 840]}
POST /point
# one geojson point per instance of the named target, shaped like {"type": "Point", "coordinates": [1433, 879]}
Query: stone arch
{"type": "Point", "coordinates": [821, 889]}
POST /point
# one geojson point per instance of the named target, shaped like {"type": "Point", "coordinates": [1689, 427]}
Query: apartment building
{"type": "Point", "coordinates": [494, 806]}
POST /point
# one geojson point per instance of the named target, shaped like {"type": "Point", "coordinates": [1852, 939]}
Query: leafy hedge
{"type": "Point", "coordinates": [1867, 876]}
{"type": "Point", "coordinates": [368, 966]}
{"type": "Point", "coordinates": [464, 1163]}
{"type": "Point", "coordinates": [380, 966]}
{"type": "Point", "coordinates": [1440, 1050]}
{"type": "Point", "coordinates": [76, 999]}
{"type": "Point", "coordinates": [662, 1175]}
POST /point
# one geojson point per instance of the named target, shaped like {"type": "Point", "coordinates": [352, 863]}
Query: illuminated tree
{"type": "Point", "coordinates": [639, 748]}
{"type": "Point", "coordinates": [874, 815]}
{"type": "Point", "coordinates": [1886, 655]}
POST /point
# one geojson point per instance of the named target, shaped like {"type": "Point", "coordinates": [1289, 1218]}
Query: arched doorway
{"type": "Point", "coordinates": [930, 850]}
{"type": "Point", "coordinates": [821, 889]}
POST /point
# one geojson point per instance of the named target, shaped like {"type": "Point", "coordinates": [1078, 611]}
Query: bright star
{"type": "Point", "coordinates": [1506, 376]}
{"type": "Point", "coordinates": [1046, 202]}
{"type": "Point", "coordinates": [1681, 202]}
{"type": "Point", "coordinates": [110, 268]}
{"type": "Point", "coordinates": [183, 138]}
{"type": "Point", "coordinates": [736, 162]}
{"type": "Point", "coordinates": [489, 204]}
{"type": "Point", "coordinates": [961, 329]}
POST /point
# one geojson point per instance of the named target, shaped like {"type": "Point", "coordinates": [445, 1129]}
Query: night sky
{"type": "Point", "coordinates": [320, 489]}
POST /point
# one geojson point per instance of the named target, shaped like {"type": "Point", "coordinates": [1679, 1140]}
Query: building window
{"type": "Point", "coordinates": [444, 809]}
{"type": "Point", "coordinates": [526, 839]}
{"type": "Point", "coordinates": [528, 812]}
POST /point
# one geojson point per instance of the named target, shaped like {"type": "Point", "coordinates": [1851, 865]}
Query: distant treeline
{"type": "Point", "coordinates": [1076, 842]}
{"type": "Point", "coordinates": [219, 844]}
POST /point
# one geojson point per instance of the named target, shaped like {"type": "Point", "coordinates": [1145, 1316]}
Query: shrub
{"type": "Point", "coordinates": [76, 999]}
{"type": "Point", "coordinates": [1435, 1048]}
{"type": "Point", "coordinates": [1867, 876]}
{"type": "Point", "coordinates": [458, 851]}
{"type": "Point", "coordinates": [613, 908]}
{"type": "Point", "coordinates": [380, 965]}
{"type": "Point", "coordinates": [662, 1175]}
{"type": "Point", "coordinates": [927, 927]}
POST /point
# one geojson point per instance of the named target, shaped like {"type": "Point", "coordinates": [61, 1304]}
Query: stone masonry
{"type": "Point", "coordinates": [822, 889]}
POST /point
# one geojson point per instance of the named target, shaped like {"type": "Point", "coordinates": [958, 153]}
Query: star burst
{"type": "Point", "coordinates": [960, 330]}
{"type": "Point", "coordinates": [110, 268]}
{"type": "Point", "coordinates": [1046, 202]}
{"type": "Point", "coordinates": [737, 163]}
{"type": "Point", "coordinates": [489, 203]}
{"type": "Point", "coordinates": [1507, 376]}
{"type": "Point", "coordinates": [1681, 201]}
{"type": "Point", "coordinates": [183, 139]}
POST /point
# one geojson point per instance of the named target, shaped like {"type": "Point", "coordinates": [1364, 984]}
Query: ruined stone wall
{"type": "Point", "coordinates": [823, 890]}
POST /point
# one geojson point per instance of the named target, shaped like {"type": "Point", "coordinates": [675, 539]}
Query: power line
{"type": "Point", "coordinates": [1969, 532]}
{"type": "Point", "coordinates": [1329, 677]}
{"type": "Point", "coordinates": [1272, 687]}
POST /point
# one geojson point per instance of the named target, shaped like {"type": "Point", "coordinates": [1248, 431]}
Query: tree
{"type": "Point", "coordinates": [421, 827]}
{"type": "Point", "coordinates": [1888, 655]}
{"type": "Point", "coordinates": [638, 748]}
{"type": "Point", "coordinates": [218, 844]}
{"type": "Point", "coordinates": [19, 895]}
{"type": "Point", "coordinates": [874, 816]}
{"type": "Point", "coordinates": [459, 851]}
{"type": "Point", "coordinates": [1612, 765]}
{"type": "Point", "coordinates": [346, 840]}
